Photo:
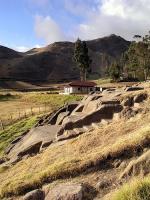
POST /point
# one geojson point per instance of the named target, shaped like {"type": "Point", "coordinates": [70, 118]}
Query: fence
{"type": "Point", "coordinates": [22, 114]}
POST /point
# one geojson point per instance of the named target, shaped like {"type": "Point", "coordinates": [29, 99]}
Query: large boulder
{"type": "Point", "coordinates": [67, 191]}
{"type": "Point", "coordinates": [140, 98]}
{"type": "Point", "coordinates": [105, 111]}
{"type": "Point", "coordinates": [127, 102]}
{"type": "Point", "coordinates": [34, 195]}
{"type": "Point", "coordinates": [32, 142]}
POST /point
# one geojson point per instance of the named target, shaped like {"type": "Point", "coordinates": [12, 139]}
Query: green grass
{"type": "Point", "coordinates": [54, 100]}
{"type": "Point", "coordinates": [13, 131]}
{"type": "Point", "coordinates": [102, 81]}
{"type": "Point", "coordinates": [8, 97]}
{"type": "Point", "coordinates": [136, 190]}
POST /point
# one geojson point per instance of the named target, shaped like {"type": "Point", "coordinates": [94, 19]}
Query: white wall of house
{"type": "Point", "coordinates": [78, 90]}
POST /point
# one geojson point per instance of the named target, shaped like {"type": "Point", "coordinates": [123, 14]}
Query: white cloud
{"type": "Point", "coordinates": [21, 48]}
{"type": "Point", "coordinates": [25, 48]}
{"type": "Point", "coordinates": [122, 17]}
{"type": "Point", "coordinates": [47, 29]}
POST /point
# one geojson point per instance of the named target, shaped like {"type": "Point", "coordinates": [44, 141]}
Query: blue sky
{"type": "Point", "coordinates": [33, 23]}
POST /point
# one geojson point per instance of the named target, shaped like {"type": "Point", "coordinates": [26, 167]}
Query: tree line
{"type": "Point", "coordinates": [134, 64]}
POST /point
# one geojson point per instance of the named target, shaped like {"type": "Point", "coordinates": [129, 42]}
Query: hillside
{"type": "Point", "coordinates": [104, 144]}
{"type": "Point", "coordinates": [54, 62]}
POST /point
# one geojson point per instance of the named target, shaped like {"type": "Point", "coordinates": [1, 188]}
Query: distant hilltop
{"type": "Point", "coordinates": [54, 62]}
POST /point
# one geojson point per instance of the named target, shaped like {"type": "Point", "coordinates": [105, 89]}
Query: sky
{"type": "Point", "coordinates": [26, 24]}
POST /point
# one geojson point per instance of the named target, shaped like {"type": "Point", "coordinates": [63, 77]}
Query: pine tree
{"type": "Point", "coordinates": [82, 58]}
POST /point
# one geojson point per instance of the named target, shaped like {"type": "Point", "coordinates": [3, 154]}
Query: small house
{"type": "Point", "coordinates": [80, 87]}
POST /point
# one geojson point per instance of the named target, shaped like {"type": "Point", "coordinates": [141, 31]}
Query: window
{"type": "Point", "coordinates": [79, 89]}
{"type": "Point", "coordinates": [91, 89]}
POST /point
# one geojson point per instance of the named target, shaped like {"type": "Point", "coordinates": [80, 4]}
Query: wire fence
{"type": "Point", "coordinates": [20, 114]}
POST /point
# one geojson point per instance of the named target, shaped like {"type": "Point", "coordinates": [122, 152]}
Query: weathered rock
{"type": "Point", "coordinates": [32, 141]}
{"type": "Point", "coordinates": [129, 89]}
{"type": "Point", "coordinates": [103, 184]}
{"type": "Point", "coordinates": [34, 195]}
{"type": "Point", "coordinates": [128, 112]}
{"type": "Point", "coordinates": [16, 140]}
{"type": "Point", "coordinates": [9, 148]}
{"type": "Point", "coordinates": [79, 108]}
{"type": "Point", "coordinates": [140, 98]}
{"type": "Point", "coordinates": [127, 102]}
{"type": "Point", "coordinates": [67, 108]}
{"type": "Point", "coordinates": [2, 160]}
{"type": "Point", "coordinates": [69, 134]}
{"type": "Point", "coordinates": [104, 112]}
{"type": "Point", "coordinates": [69, 191]}
{"type": "Point", "coordinates": [32, 149]}
{"type": "Point", "coordinates": [61, 116]}
{"type": "Point", "coordinates": [46, 144]}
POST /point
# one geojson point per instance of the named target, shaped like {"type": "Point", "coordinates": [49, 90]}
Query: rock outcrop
{"type": "Point", "coordinates": [34, 195]}
{"type": "Point", "coordinates": [73, 120]}
{"type": "Point", "coordinates": [66, 192]}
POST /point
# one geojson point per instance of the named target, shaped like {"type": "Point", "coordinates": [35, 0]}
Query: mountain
{"type": "Point", "coordinates": [54, 63]}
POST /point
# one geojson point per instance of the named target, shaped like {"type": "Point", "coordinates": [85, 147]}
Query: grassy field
{"type": "Point", "coordinates": [76, 156]}
{"type": "Point", "coordinates": [15, 130]}
{"type": "Point", "coordinates": [13, 103]}
{"type": "Point", "coordinates": [16, 105]}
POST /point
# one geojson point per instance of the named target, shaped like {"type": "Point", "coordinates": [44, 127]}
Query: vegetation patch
{"type": "Point", "coordinates": [102, 81]}
{"type": "Point", "coordinates": [13, 131]}
{"type": "Point", "coordinates": [8, 97]}
{"type": "Point", "coordinates": [54, 100]}
{"type": "Point", "coordinates": [136, 190]}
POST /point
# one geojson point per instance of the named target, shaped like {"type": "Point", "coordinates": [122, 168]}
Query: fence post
{"type": "Point", "coordinates": [11, 117]}
{"type": "Point", "coordinates": [25, 115]}
{"type": "Point", "coordinates": [19, 114]}
{"type": "Point", "coordinates": [31, 111]}
{"type": "Point", "coordinates": [1, 124]}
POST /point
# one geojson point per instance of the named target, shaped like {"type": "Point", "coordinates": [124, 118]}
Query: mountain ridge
{"type": "Point", "coordinates": [54, 62]}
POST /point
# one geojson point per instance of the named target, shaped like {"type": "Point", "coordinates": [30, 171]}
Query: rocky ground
{"type": "Point", "coordinates": [83, 150]}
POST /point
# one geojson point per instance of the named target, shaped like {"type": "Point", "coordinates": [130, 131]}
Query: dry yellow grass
{"type": "Point", "coordinates": [17, 105]}
{"type": "Point", "coordinates": [76, 155]}
{"type": "Point", "coordinates": [137, 189]}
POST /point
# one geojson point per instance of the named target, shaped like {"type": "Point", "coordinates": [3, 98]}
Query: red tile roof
{"type": "Point", "coordinates": [82, 84]}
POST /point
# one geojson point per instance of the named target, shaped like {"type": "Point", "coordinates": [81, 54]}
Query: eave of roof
{"type": "Point", "coordinates": [82, 84]}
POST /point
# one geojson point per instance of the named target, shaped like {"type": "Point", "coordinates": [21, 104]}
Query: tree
{"type": "Point", "coordinates": [138, 57]}
{"type": "Point", "coordinates": [115, 71]}
{"type": "Point", "coordinates": [133, 63]}
{"type": "Point", "coordinates": [82, 58]}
